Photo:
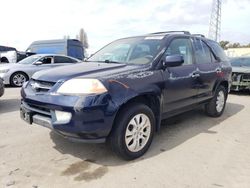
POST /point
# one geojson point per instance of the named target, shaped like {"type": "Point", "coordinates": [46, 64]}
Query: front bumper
{"type": "Point", "coordinates": [237, 86]}
{"type": "Point", "coordinates": [240, 81]}
{"type": "Point", "coordinates": [91, 120]}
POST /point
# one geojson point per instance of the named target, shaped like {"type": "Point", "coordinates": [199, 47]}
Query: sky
{"type": "Point", "coordinates": [24, 21]}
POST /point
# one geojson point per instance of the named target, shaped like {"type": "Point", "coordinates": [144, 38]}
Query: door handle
{"type": "Point", "coordinates": [195, 75]}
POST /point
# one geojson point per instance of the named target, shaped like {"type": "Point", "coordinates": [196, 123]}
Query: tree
{"type": "Point", "coordinates": [83, 38]}
{"type": "Point", "coordinates": [224, 44]}
{"type": "Point", "coordinates": [235, 45]}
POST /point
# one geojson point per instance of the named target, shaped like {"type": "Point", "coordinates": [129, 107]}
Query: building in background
{"type": "Point", "coordinates": [237, 52]}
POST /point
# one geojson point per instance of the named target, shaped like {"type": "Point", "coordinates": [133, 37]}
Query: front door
{"type": "Point", "coordinates": [181, 82]}
{"type": "Point", "coordinates": [46, 64]}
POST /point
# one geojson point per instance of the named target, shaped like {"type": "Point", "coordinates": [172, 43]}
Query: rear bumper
{"type": "Point", "coordinates": [6, 78]}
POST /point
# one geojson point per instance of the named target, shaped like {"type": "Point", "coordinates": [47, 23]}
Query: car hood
{"type": "Point", "coordinates": [241, 69]}
{"type": "Point", "coordinates": [89, 69]}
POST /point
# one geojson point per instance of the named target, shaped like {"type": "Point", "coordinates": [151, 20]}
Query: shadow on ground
{"type": "Point", "coordinates": [9, 105]}
{"type": "Point", "coordinates": [174, 132]}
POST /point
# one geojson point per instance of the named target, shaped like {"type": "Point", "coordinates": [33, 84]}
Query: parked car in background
{"type": "Point", "coordinates": [16, 74]}
{"type": "Point", "coordinates": [124, 90]}
{"type": "Point", "coordinates": [11, 55]}
{"type": "Point", "coordinates": [240, 73]}
{"type": "Point", "coordinates": [1, 87]}
{"type": "Point", "coordinates": [70, 47]}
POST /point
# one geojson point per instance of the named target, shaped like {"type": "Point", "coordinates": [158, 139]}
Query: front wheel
{"type": "Point", "coordinates": [217, 104]}
{"type": "Point", "coordinates": [133, 131]}
{"type": "Point", "coordinates": [18, 79]}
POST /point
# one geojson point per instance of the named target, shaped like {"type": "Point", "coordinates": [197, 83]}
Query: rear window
{"type": "Point", "coordinates": [219, 52]}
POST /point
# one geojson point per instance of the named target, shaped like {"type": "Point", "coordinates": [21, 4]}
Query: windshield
{"type": "Point", "coordinates": [29, 60]}
{"type": "Point", "coordinates": [138, 50]}
{"type": "Point", "coordinates": [240, 62]}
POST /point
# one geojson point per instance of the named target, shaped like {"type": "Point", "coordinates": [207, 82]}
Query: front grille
{"type": "Point", "coordinates": [246, 77]}
{"type": "Point", "coordinates": [39, 108]}
{"type": "Point", "coordinates": [41, 86]}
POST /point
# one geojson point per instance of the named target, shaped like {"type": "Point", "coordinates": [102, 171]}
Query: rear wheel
{"type": "Point", "coordinates": [133, 131]}
{"type": "Point", "coordinates": [217, 105]}
{"type": "Point", "coordinates": [18, 79]}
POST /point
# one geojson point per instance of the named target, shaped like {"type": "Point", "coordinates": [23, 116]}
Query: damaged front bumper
{"type": "Point", "coordinates": [240, 81]}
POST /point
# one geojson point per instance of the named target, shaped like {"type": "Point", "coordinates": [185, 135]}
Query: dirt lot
{"type": "Point", "coordinates": [192, 150]}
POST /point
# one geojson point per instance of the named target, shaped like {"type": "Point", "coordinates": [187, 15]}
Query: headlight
{"type": "Point", "coordinates": [4, 71]}
{"type": "Point", "coordinates": [81, 86]}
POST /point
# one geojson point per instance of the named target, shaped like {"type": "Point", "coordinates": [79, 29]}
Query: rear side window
{"type": "Point", "coordinates": [202, 52]}
{"type": "Point", "coordinates": [219, 52]}
{"type": "Point", "coordinates": [60, 59]}
{"type": "Point", "coordinates": [181, 46]}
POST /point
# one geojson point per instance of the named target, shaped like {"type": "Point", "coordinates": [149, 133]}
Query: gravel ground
{"type": "Point", "coordinates": [192, 150]}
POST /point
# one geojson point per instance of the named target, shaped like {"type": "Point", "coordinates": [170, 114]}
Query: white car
{"type": "Point", "coordinates": [16, 74]}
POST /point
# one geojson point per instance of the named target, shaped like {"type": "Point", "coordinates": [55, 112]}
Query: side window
{"type": "Point", "coordinates": [46, 60]}
{"type": "Point", "coordinates": [218, 50]}
{"type": "Point", "coordinates": [202, 52]}
{"type": "Point", "coordinates": [61, 59]}
{"type": "Point", "coordinates": [181, 46]}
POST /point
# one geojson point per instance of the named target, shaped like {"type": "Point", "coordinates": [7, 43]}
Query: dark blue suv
{"type": "Point", "coordinates": [123, 92]}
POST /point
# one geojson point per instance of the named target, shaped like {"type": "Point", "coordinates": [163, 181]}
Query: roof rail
{"type": "Point", "coordinates": [199, 35]}
{"type": "Point", "coordinates": [184, 32]}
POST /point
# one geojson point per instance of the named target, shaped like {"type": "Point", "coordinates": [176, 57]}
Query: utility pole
{"type": "Point", "coordinates": [215, 21]}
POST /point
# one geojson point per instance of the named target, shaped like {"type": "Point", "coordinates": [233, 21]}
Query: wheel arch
{"type": "Point", "coordinates": [223, 83]}
{"type": "Point", "coordinates": [152, 100]}
{"type": "Point", "coordinates": [4, 60]}
{"type": "Point", "coordinates": [19, 72]}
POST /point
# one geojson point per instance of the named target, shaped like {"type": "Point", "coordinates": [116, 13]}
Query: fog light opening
{"type": "Point", "coordinates": [63, 117]}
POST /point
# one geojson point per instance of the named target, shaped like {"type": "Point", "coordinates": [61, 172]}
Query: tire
{"type": "Point", "coordinates": [216, 105]}
{"type": "Point", "coordinates": [126, 133]}
{"type": "Point", "coordinates": [4, 60]}
{"type": "Point", "coordinates": [18, 79]}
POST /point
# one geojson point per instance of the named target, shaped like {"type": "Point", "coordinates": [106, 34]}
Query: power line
{"type": "Point", "coordinates": [215, 21]}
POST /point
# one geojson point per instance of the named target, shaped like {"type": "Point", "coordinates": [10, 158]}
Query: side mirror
{"type": "Point", "coordinates": [173, 61]}
{"type": "Point", "coordinates": [38, 63]}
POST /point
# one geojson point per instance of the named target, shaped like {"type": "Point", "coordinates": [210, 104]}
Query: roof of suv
{"type": "Point", "coordinates": [165, 33]}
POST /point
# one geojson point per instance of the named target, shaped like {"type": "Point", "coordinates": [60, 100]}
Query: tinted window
{"type": "Point", "coordinates": [240, 62]}
{"type": "Point", "coordinates": [202, 52]}
{"type": "Point", "coordinates": [219, 52]}
{"type": "Point", "coordinates": [181, 47]}
{"type": "Point", "coordinates": [61, 59]}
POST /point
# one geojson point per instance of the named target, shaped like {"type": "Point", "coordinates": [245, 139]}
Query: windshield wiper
{"type": "Point", "coordinates": [108, 61]}
{"type": "Point", "coordinates": [105, 61]}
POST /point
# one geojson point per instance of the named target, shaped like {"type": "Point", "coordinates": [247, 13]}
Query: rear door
{"type": "Point", "coordinates": [209, 68]}
{"type": "Point", "coordinates": [180, 86]}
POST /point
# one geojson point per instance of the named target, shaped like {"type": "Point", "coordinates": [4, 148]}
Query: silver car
{"type": "Point", "coordinates": [16, 74]}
